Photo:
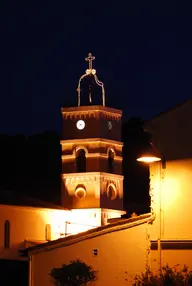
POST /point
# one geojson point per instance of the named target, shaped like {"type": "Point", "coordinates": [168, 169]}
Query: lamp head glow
{"type": "Point", "coordinates": [150, 154]}
{"type": "Point", "coordinates": [148, 159]}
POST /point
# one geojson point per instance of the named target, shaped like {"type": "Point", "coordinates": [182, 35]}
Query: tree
{"type": "Point", "coordinates": [76, 273]}
{"type": "Point", "coordinates": [166, 276]}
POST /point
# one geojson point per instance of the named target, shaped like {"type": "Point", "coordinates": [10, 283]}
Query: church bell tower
{"type": "Point", "coordinates": [92, 154]}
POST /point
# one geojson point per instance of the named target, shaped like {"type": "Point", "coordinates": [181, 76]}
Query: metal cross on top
{"type": "Point", "coordinates": [90, 59]}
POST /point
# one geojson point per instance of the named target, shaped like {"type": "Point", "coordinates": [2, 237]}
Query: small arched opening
{"type": "Point", "coordinates": [7, 234]}
{"type": "Point", "coordinates": [47, 232]}
{"type": "Point", "coordinates": [110, 161]}
{"type": "Point", "coordinates": [80, 161]}
{"type": "Point", "coordinates": [111, 192]}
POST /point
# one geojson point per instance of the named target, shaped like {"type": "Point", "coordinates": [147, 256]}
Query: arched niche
{"type": "Point", "coordinates": [80, 156]}
{"type": "Point", "coordinates": [7, 234]}
{"type": "Point", "coordinates": [111, 155]}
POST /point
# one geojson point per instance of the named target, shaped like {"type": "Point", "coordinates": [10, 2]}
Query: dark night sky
{"type": "Point", "coordinates": [143, 55]}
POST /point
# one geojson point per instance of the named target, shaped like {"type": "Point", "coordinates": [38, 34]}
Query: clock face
{"type": "Point", "coordinates": [110, 125]}
{"type": "Point", "coordinates": [80, 124]}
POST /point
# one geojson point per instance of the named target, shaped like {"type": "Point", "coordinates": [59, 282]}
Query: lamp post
{"type": "Point", "coordinates": [150, 155]}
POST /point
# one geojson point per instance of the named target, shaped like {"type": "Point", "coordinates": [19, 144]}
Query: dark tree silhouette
{"type": "Point", "coordinates": [31, 165]}
{"type": "Point", "coordinates": [76, 273]}
{"type": "Point", "coordinates": [136, 174]}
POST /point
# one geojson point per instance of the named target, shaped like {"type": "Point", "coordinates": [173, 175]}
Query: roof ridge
{"type": "Point", "coordinates": [112, 227]}
{"type": "Point", "coordinates": [169, 109]}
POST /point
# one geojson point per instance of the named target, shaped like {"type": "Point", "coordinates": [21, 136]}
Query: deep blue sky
{"type": "Point", "coordinates": [143, 54]}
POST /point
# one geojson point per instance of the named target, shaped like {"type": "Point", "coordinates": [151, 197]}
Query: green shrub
{"type": "Point", "coordinates": [167, 276]}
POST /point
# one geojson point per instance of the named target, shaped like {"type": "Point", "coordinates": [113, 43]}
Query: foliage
{"type": "Point", "coordinates": [76, 273]}
{"type": "Point", "coordinates": [166, 277]}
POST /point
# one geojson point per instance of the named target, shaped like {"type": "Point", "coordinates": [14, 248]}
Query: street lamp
{"type": "Point", "coordinates": [151, 154]}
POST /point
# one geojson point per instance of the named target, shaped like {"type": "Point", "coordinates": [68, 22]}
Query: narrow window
{"type": "Point", "coordinates": [48, 232]}
{"type": "Point", "coordinates": [110, 161]}
{"type": "Point", "coordinates": [81, 161]}
{"type": "Point", "coordinates": [7, 234]}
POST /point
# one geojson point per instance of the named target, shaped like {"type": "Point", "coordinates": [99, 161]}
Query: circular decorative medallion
{"type": "Point", "coordinates": [80, 192]}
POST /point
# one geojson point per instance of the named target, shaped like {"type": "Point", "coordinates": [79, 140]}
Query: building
{"type": "Point", "coordinates": [88, 223]}
{"type": "Point", "coordinates": [171, 234]}
{"type": "Point", "coordinates": [124, 248]}
{"type": "Point", "coordinates": [92, 181]}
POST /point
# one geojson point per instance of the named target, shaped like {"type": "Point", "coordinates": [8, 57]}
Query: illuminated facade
{"type": "Point", "coordinates": [125, 248]}
{"type": "Point", "coordinates": [92, 160]}
{"type": "Point", "coordinates": [92, 156]}
{"type": "Point", "coordinates": [92, 181]}
{"type": "Point", "coordinates": [171, 234]}
{"type": "Point", "coordinates": [87, 225]}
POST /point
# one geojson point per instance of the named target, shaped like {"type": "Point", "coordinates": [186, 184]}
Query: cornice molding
{"type": "Point", "coordinates": [90, 174]}
{"type": "Point", "coordinates": [84, 112]}
{"type": "Point", "coordinates": [92, 140]}
{"type": "Point", "coordinates": [91, 155]}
